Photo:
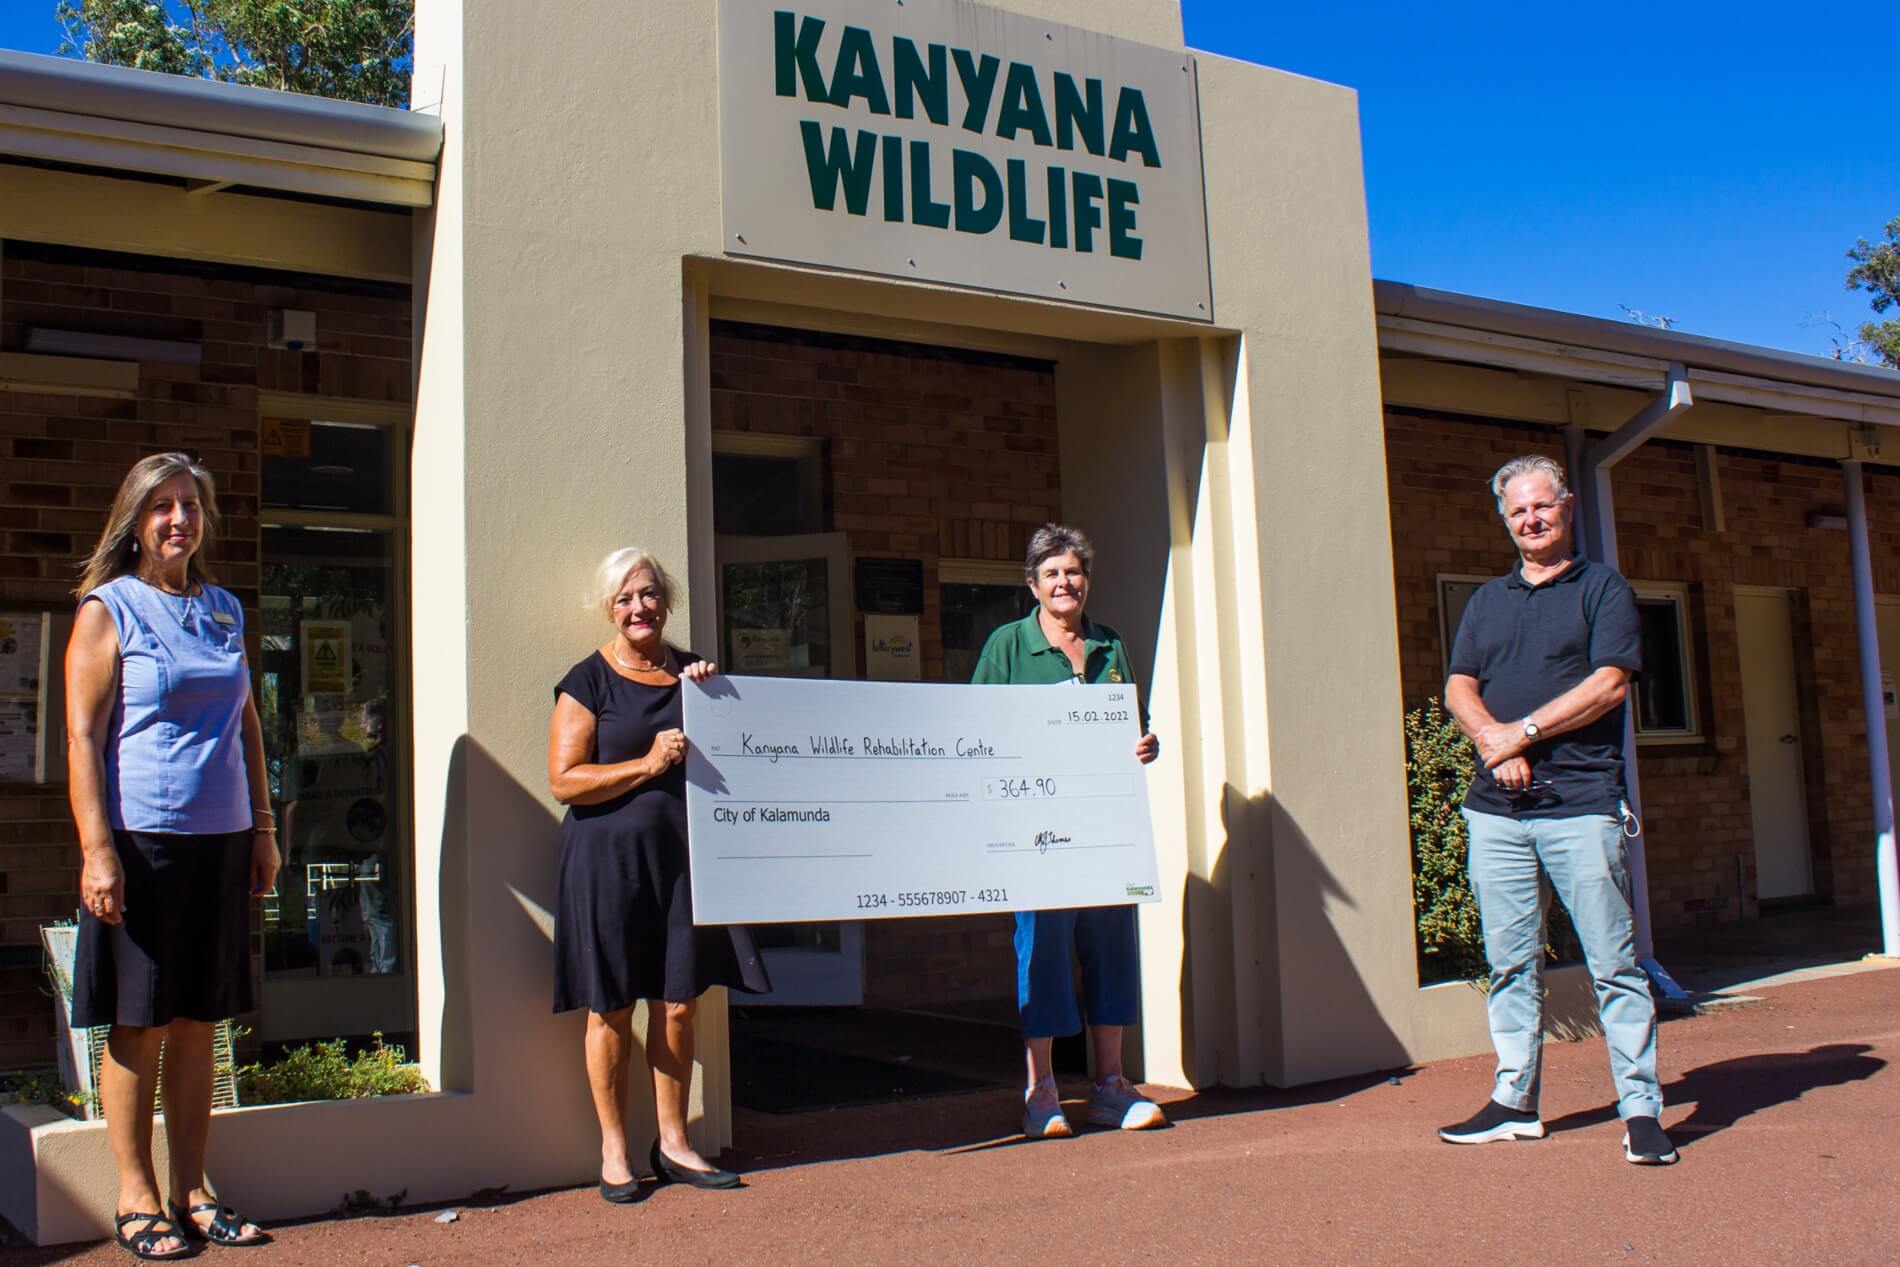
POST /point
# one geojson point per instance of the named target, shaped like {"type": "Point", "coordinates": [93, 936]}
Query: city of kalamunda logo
{"type": "Point", "coordinates": [1058, 205]}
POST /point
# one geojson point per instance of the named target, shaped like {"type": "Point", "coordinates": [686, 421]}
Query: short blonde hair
{"type": "Point", "coordinates": [614, 570]}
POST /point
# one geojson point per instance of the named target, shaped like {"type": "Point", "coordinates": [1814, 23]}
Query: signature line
{"type": "Point", "coordinates": [773, 857]}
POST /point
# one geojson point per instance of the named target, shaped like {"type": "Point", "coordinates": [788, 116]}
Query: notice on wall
{"type": "Point", "coordinates": [285, 438]}
{"type": "Point", "coordinates": [22, 697]}
{"type": "Point", "coordinates": [891, 653]}
{"type": "Point", "coordinates": [326, 656]}
{"type": "Point", "coordinates": [761, 650]}
{"type": "Point", "coordinates": [19, 738]}
{"type": "Point", "coordinates": [948, 141]}
{"type": "Point", "coordinates": [22, 635]}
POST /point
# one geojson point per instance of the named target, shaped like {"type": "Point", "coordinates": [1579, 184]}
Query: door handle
{"type": "Point", "coordinates": [1790, 739]}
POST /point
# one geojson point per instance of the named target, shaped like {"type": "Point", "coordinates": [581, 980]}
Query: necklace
{"type": "Point", "coordinates": [187, 613]}
{"type": "Point", "coordinates": [163, 588]}
{"type": "Point", "coordinates": [666, 658]}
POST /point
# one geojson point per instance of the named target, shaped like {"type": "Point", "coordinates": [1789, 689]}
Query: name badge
{"type": "Point", "coordinates": [224, 618]}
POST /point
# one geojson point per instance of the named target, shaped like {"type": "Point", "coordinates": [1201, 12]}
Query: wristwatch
{"type": "Point", "coordinates": [1532, 730]}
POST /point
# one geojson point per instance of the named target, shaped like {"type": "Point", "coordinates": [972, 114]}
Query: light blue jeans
{"type": "Point", "coordinates": [1515, 863]}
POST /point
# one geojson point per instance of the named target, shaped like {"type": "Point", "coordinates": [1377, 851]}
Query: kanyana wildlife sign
{"type": "Point", "coordinates": [952, 142]}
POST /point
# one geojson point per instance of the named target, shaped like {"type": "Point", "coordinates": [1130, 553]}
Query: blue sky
{"type": "Point", "coordinates": [1706, 162]}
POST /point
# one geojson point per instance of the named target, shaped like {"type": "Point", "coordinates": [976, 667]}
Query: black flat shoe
{"type": "Point", "coordinates": [627, 1193]}
{"type": "Point", "coordinates": [225, 1228]}
{"type": "Point", "coordinates": [667, 1172]}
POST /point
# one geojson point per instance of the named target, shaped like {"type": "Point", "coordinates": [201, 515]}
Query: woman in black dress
{"type": "Point", "coordinates": [624, 931]}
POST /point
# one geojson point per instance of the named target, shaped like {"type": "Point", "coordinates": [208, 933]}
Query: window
{"type": "Point", "coordinates": [977, 596]}
{"type": "Point", "coordinates": [1454, 592]}
{"type": "Point", "coordinates": [333, 700]}
{"type": "Point", "coordinates": [1663, 698]}
{"type": "Point", "coordinates": [767, 485]}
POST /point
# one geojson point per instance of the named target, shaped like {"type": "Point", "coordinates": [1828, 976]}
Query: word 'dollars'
{"type": "Point", "coordinates": [1060, 205]}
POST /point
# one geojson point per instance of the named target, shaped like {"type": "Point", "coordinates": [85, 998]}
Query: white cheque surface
{"type": "Point", "coordinates": [867, 800]}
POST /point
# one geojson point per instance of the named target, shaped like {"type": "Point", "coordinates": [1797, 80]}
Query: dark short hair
{"type": "Point", "coordinates": [1048, 541]}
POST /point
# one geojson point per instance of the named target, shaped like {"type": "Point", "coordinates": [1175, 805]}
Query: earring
{"type": "Point", "coordinates": [135, 547]}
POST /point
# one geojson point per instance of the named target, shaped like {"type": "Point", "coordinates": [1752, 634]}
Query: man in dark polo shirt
{"type": "Point", "coordinates": [1539, 674]}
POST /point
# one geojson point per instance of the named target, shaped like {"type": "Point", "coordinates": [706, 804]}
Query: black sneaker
{"type": "Point", "coordinates": [1644, 1143]}
{"type": "Point", "coordinates": [1493, 1121]}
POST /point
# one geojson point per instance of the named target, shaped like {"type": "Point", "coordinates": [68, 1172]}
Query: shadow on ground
{"type": "Point", "coordinates": [1727, 1091]}
{"type": "Point", "coordinates": [982, 1120]}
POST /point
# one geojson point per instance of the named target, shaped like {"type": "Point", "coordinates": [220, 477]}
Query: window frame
{"type": "Point", "coordinates": [808, 452]}
{"type": "Point", "coordinates": [1446, 630]}
{"type": "Point", "coordinates": [1677, 594]}
{"type": "Point", "coordinates": [399, 419]}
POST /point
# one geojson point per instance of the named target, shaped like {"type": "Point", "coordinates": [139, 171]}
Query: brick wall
{"type": "Point", "coordinates": [930, 453]}
{"type": "Point", "coordinates": [1696, 797]}
{"type": "Point", "coordinates": [65, 455]}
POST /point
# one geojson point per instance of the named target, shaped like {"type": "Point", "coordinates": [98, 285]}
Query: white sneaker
{"type": "Point", "coordinates": [1117, 1103]}
{"type": "Point", "coordinates": [1042, 1112]}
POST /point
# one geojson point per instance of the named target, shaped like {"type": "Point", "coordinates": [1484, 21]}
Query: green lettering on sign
{"type": "Point", "coordinates": [894, 180]}
{"type": "Point", "coordinates": [934, 215]}
{"type": "Point", "coordinates": [1022, 226]}
{"type": "Point", "coordinates": [1122, 197]}
{"type": "Point", "coordinates": [840, 164]}
{"type": "Point", "coordinates": [968, 172]}
{"type": "Point", "coordinates": [795, 56]}
{"type": "Point", "coordinates": [856, 72]}
{"type": "Point", "coordinates": [917, 83]}
{"type": "Point", "coordinates": [1078, 113]}
{"type": "Point", "coordinates": [979, 82]}
{"type": "Point", "coordinates": [1132, 130]}
{"type": "Point", "coordinates": [1088, 216]}
{"type": "Point", "coordinates": [1022, 106]}
{"type": "Point", "coordinates": [1058, 209]}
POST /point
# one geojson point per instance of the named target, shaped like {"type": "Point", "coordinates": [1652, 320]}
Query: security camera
{"type": "Point", "coordinates": [293, 329]}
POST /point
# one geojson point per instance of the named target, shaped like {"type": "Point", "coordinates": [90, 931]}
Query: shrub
{"type": "Point", "coordinates": [42, 1086]}
{"type": "Point", "coordinates": [326, 1071]}
{"type": "Point", "coordinates": [1439, 766]}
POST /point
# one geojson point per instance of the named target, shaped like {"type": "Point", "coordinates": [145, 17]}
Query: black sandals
{"type": "Point", "coordinates": [225, 1228]}
{"type": "Point", "coordinates": [157, 1228]}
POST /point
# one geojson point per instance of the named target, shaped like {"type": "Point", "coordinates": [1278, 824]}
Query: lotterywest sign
{"type": "Point", "coordinates": [952, 142]}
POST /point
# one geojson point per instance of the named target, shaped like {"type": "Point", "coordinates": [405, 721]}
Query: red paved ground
{"type": "Point", "coordinates": [1787, 1114]}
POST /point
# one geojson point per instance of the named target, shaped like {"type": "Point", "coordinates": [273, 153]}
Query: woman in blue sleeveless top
{"type": "Point", "coordinates": [172, 804]}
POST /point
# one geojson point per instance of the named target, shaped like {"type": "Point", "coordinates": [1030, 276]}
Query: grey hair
{"type": "Point", "coordinates": [1048, 541]}
{"type": "Point", "coordinates": [1529, 464]}
{"type": "Point", "coordinates": [118, 549]}
{"type": "Point", "coordinates": [617, 567]}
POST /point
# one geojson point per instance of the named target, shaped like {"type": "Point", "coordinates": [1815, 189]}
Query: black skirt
{"type": "Point", "coordinates": [624, 926]}
{"type": "Point", "coordinates": [183, 949]}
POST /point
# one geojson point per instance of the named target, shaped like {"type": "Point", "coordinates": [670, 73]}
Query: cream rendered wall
{"type": "Point", "coordinates": [549, 431]}
{"type": "Point", "coordinates": [573, 188]}
{"type": "Point", "coordinates": [1242, 495]}
{"type": "Point", "coordinates": [1325, 843]}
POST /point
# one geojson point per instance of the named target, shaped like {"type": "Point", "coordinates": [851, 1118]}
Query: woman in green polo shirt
{"type": "Point", "coordinates": [1055, 644]}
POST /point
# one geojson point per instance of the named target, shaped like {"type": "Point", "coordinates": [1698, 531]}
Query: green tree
{"type": "Point", "coordinates": [356, 50]}
{"type": "Point", "coordinates": [1877, 271]}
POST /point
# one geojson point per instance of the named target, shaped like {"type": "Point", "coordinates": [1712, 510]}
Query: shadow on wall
{"type": "Point", "coordinates": [1266, 955]}
{"type": "Point", "coordinates": [498, 874]}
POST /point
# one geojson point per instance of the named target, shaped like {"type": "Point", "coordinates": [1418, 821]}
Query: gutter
{"type": "Point", "coordinates": [214, 135]}
{"type": "Point", "coordinates": [1645, 352]}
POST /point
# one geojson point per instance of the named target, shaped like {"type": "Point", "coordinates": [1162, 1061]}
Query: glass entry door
{"type": "Point", "coordinates": [784, 611]}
